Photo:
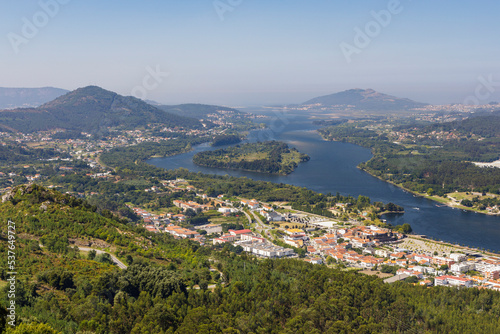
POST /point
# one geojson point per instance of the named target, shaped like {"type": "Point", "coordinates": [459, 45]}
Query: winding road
{"type": "Point", "coordinates": [119, 263]}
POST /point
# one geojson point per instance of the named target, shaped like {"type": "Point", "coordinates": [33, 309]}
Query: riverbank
{"type": "Point", "coordinates": [452, 247]}
{"type": "Point", "coordinates": [385, 166]}
{"type": "Point", "coordinates": [445, 201]}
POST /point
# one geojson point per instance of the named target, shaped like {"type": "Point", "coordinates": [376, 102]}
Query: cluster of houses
{"type": "Point", "coordinates": [265, 210]}
{"type": "Point", "coordinates": [157, 223]}
{"type": "Point", "coordinates": [339, 244]}
{"type": "Point", "coordinates": [196, 207]}
{"type": "Point", "coordinates": [458, 264]}
{"type": "Point", "coordinates": [254, 244]}
{"type": "Point", "coordinates": [375, 248]}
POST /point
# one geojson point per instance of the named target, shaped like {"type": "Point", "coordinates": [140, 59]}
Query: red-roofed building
{"type": "Point", "coordinates": [452, 280]}
{"type": "Point", "coordinates": [240, 232]}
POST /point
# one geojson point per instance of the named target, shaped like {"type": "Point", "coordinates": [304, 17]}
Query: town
{"type": "Point", "coordinates": [268, 230]}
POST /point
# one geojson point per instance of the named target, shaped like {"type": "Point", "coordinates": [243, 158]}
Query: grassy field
{"type": "Point", "coordinates": [462, 195]}
{"type": "Point", "coordinates": [291, 225]}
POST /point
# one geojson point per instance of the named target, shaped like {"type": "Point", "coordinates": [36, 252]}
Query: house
{"type": "Point", "coordinates": [179, 217]}
{"type": "Point", "coordinates": [395, 256]}
{"type": "Point", "coordinates": [151, 228]}
{"type": "Point", "coordinates": [409, 272]}
{"type": "Point", "coordinates": [382, 252]}
{"type": "Point", "coordinates": [272, 216]}
{"type": "Point", "coordinates": [253, 204]}
{"type": "Point", "coordinates": [453, 281]}
{"type": "Point", "coordinates": [250, 237]}
{"type": "Point", "coordinates": [294, 243]}
{"type": "Point", "coordinates": [492, 274]}
{"type": "Point", "coordinates": [226, 209]}
{"type": "Point", "coordinates": [211, 228]}
{"type": "Point", "coordinates": [267, 208]}
{"type": "Point", "coordinates": [239, 232]}
{"type": "Point", "coordinates": [266, 249]}
{"type": "Point", "coordinates": [462, 267]}
{"type": "Point", "coordinates": [225, 238]}
{"type": "Point", "coordinates": [426, 282]}
{"type": "Point", "coordinates": [457, 257]}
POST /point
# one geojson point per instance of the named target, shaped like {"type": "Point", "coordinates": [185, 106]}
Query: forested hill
{"type": "Point", "coordinates": [62, 290]}
{"type": "Point", "coordinates": [91, 109]}
{"type": "Point", "coordinates": [267, 157]}
{"type": "Point", "coordinates": [365, 99]}
{"type": "Point", "coordinates": [487, 126]}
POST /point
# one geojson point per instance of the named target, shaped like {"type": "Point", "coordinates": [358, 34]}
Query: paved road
{"type": "Point", "coordinates": [262, 226]}
{"type": "Point", "coordinates": [119, 263]}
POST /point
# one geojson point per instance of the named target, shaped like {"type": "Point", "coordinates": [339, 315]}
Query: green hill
{"type": "Point", "coordinates": [267, 157]}
{"type": "Point", "coordinates": [365, 99]}
{"type": "Point", "coordinates": [91, 109]}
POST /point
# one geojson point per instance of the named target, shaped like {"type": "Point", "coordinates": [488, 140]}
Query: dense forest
{"type": "Point", "coordinates": [12, 154]}
{"type": "Point", "coordinates": [268, 157]}
{"type": "Point", "coordinates": [222, 140]}
{"type": "Point", "coordinates": [128, 158]}
{"type": "Point", "coordinates": [177, 286]}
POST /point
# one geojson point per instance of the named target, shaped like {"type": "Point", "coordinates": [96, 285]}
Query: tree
{"type": "Point", "coordinates": [33, 328]}
{"type": "Point", "coordinates": [104, 258]}
{"type": "Point", "coordinates": [91, 254]}
{"type": "Point", "coordinates": [129, 259]}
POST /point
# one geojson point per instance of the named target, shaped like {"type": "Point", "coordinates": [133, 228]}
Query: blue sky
{"type": "Point", "coordinates": [259, 53]}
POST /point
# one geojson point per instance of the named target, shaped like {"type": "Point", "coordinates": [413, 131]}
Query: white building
{"type": "Point", "coordinates": [453, 281]}
{"type": "Point", "coordinates": [458, 257]}
{"type": "Point", "coordinates": [462, 267]}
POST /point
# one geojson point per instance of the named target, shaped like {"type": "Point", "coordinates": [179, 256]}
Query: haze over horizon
{"type": "Point", "coordinates": [253, 52]}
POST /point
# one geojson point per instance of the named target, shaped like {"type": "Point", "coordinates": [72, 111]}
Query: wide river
{"type": "Point", "coordinates": [332, 168]}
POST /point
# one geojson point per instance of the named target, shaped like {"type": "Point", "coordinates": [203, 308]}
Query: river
{"type": "Point", "coordinates": [332, 168]}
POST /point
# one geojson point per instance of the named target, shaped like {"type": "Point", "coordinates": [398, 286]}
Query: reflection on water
{"type": "Point", "coordinates": [332, 168]}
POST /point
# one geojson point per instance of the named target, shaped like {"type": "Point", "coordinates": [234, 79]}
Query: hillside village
{"type": "Point", "coordinates": [269, 232]}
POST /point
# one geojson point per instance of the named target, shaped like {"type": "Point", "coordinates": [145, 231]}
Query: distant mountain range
{"type": "Point", "coordinates": [364, 99]}
{"type": "Point", "coordinates": [91, 109]}
{"type": "Point", "coordinates": [11, 98]}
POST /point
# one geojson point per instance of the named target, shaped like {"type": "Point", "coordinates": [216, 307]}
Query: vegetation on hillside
{"type": "Point", "coordinates": [167, 285]}
{"type": "Point", "coordinates": [91, 109]}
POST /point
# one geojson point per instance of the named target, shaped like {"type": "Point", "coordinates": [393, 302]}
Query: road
{"type": "Point", "coordinates": [261, 225]}
{"type": "Point", "coordinates": [119, 263]}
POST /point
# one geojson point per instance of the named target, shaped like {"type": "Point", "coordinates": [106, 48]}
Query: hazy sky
{"type": "Point", "coordinates": [250, 52]}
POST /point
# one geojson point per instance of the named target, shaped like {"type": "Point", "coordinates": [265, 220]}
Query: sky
{"type": "Point", "coordinates": [255, 52]}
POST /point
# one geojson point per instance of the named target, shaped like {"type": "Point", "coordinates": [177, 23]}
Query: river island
{"type": "Point", "coordinates": [271, 157]}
